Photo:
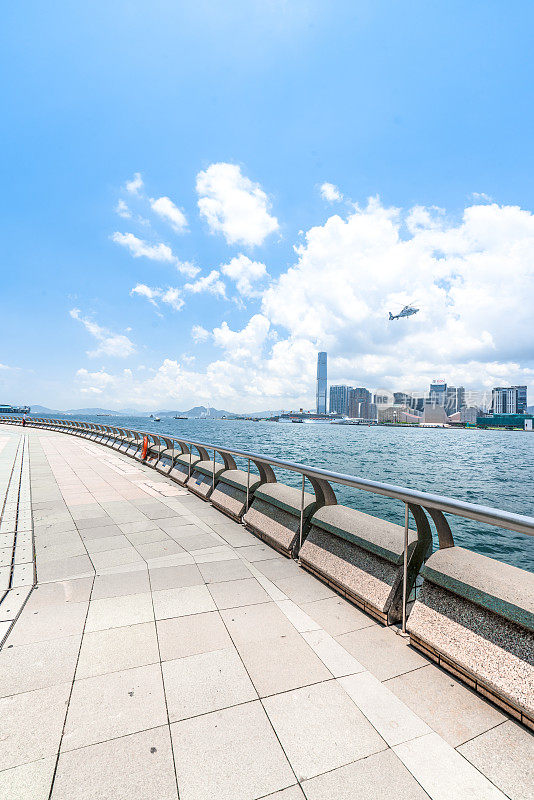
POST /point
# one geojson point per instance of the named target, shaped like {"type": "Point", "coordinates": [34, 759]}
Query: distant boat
{"type": "Point", "coordinates": [181, 418]}
{"type": "Point", "coordinates": [157, 419]}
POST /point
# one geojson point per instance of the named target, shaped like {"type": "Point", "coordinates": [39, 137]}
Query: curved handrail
{"type": "Point", "coordinates": [428, 500]}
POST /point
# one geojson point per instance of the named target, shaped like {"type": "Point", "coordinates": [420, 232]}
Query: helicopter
{"type": "Point", "coordinates": [407, 311]}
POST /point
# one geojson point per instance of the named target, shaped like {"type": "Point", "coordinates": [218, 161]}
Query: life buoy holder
{"type": "Point", "coordinates": [145, 448]}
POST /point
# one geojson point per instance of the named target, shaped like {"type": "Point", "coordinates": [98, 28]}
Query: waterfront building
{"type": "Point", "coordinates": [469, 414]}
{"type": "Point", "coordinates": [397, 414]}
{"type": "Point", "coordinates": [438, 393]}
{"type": "Point", "coordinates": [505, 421]}
{"type": "Point", "coordinates": [509, 400]}
{"type": "Point", "coordinates": [339, 399]}
{"type": "Point", "coordinates": [356, 397]}
{"type": "Point", "coordinates": [454, 399]}
{"type": "Point", "coordinates": [403, 399]}
{"type": "Point", "coordinates": [321, 383]}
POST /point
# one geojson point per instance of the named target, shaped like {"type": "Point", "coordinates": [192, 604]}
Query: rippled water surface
{"type": "Point", "coordinates": [493, 468]}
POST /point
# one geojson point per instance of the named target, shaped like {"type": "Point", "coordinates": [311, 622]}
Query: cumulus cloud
{"type": "Point", "coordinates": [122, 210]}
{"type": "Point", "coordinates": [172, 296]}
{"type": "Point", "coordinates": [141, 249]}
{"type": "Point", "coordinates": [165, 208]}
{"type": "Point", "coordinates": [234, 205]}
{"type": "Point", "coordinates": [109, 344]}
{"type": "Point", "coordinates": [245, 272]}
{"type": "Point", "coordinates": [470, 277]}
{"type": "Point", "coordinates": [209, 283]}
{"type": "Point", "coordinates": [330, 193]}
{"type": "Point", "coordinates": [135, 185]}
{"type": "Point", "coordinates": [199, 334]}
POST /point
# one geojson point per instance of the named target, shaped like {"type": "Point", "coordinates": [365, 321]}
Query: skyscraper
{"type": "Point", "coordinates": [339, 400]}
{"type": "Point", "coordinates": [321, 383]}
{"type": "Point", "coordinates": [357, 397]}
{"type": "Point", "coordinates": [509, 400]}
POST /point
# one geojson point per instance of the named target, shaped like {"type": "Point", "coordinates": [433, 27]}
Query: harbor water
{"type": "Point", "coordinates": [492, 468]}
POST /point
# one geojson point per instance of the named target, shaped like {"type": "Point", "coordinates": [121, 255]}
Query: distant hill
{"type": "Point", "coordinates": [197, 412]}
{"type": "Point", "coordinates": [44, 410]}
{"type": "Point", "coordinates": [93, 411]}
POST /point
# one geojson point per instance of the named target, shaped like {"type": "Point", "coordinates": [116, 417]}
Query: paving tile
{"type": "Point", "coordinates": [120, 584]}
{"type": "Point", "coordinates": [382, 652]}
{"type": "Point", "coordinates": [177, 560]}
{"type": "Point", "coordinates": [282, 663]}
{"type": "Point", "coordinates": [77, 590]}
{"type": "Point", "coordinates": [200, 541]}
{"type": "Point", "coordinates": [298, 618]}
{"type": "Point", "coordinates": [180, 602]}
{"type": "Point", "coordinates": [336, 615]}
{"type": "Point", "coordinates": [166, 547]}
{"type": "Point", "coordinates": [106, 543]}
{"type": "Point", "coordinates": [13, 602]}
{"type": "Point", "coordinates": [117, 649]}
{"type": "Point", "coordinates": [303, 588]}
{"type": "Point", "coordinates": [31, 724]}
{"type": "Point", "coordinates": [117, 612]}
{"type": "Point", "coordinates": [279, 568]}
{"type": "Point", "coordinates": [332, 654]}
{"type": "Point", "coordinates": [114, 558]}
{"type": "Point", "coordinates": [320, 728]}
{"type": "Point", "coordinates": [442, 772]}
{"type": "Point", "coordinates": [187, 636]}
{"type": "Point", "coordinates": [48, 622]}
{"type": "Point", "coordinates": [174, 577]}
{"type": "Point", "coordinates": [102, 532]}
{"type": "Point", "coordinates": [37, 665]}
{"type": "Point", "coordinates": [219, 571]}
{"type": "Point", "coordinates": [138, 526]}
{"type": "Point", "coordinates": [292, 793]}
{"type": "Point", "coordinates": [65, 569]}
{"type": "Point", "coordinates": [231, 754]}
{"type": "Point", "coordinates": [505, 755]}
{"type": "Point", "coordinates": [256, 623]}
{"type": "Point", "coordinates": [115, 704]}
{"type": "Point", "coordinates": [205, 682]}
{"type": "Point", "coordinates": [235, 535]}
{"type": "Point", "coordinates": [232, 594]}
{"type": "Point", "coordinates": [381, 776]}
{"type": "Point", "coordinates": [464, 715]}
{"type": "Point", "coordinates": [219, 553]}
{"type": "Point", "coordinates": [258, 552]}
{"type": "Point", "coordinates": [393, 720]}
{"type": "Point", "coordinates": [28, 781]}
{"type": "Point", "coordinates": [137, 767]}
{"type": "Point", "coordinates": [93, 522]}
{"type": "Point", "coordinates": [146, 537]}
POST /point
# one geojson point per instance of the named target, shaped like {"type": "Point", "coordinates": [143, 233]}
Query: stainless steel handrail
{"type": "Point", "coordinates": [485, 514]}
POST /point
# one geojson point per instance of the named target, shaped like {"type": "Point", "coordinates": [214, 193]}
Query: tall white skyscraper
{"type": "Point", "coordinates": [321, 383]}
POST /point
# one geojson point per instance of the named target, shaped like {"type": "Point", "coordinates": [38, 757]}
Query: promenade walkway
{"type": "Point", "coordinates": [164, 653]}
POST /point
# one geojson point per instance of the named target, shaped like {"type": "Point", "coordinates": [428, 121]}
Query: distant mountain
{"type": "Point", "coordinates": [44, 410]}
{"type": "Point", "coordinates": [197, 412]}
{"type": "Point", "coordinates": [93, 411]}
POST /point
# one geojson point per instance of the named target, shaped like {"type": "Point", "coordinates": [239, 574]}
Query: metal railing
{"type": "Point", "coordinates": [416, 503]}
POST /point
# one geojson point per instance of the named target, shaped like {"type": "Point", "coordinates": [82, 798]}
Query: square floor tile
{"type": "Point", "coordinates": [117, 612]}
{"type": "Point", "coordinates": [382, 652]}
{"type": "Point", "coordinates": [135, 767]}
{"type": "Point", "coordinates": [256, 623]}
{"type": "Point", "coordinates": [231, 594]}
{"type": "Point", "coordinates": [117, 649]}
{"type": "Point", "coordinates": [120, 583]}
{"type": "Point", "coordinates": [321, 729]}
{"type": "Point", "coordinates": [48, 622]}
{"type": "Point", "coordinates": [336, 615]}
{"type": "Point", "coordinates": [196, 633]}
{"type": "Point", "coordinates": [28, 781]}
{"type": "Point", "coordinates": [175, 577]}
{"type": "Point", "coordinates": [205, 682]}
{"type": "Point", "coordinates": [183, 601]}
{"type": "Point", "coordinates": [37, 665]}
{"type": "Point", "coordinates": [219, 571]}
{"type": "Point", "coordinates": [112, 705]}
{"type": "Point", "coordinates": [231, 754]}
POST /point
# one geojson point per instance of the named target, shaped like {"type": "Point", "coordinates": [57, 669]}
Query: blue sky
{"type": "Point", "coordinates": [237, 116]}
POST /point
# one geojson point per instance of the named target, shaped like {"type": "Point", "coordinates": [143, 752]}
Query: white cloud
{"type": "Point", "coordinates": [110, 344]}
{"type": "Point", "coordinates": [171, 296]}
{"type": "Point", "coordinates": [135, 185]}
{"type": "Point", "coordinates": [166, 209]}
{"type": "Point", "coordinates": [199, 334]}
{"type": "Point", "coordinates": [139, 248]}
{"type": "Point", "coordinates": [245, 272]}
{"type": "Point", "coordinates": [233, 205]}
{"type": "Point", "coordinates": [244, 344]}
{"type": "Point", "coordinates": [209, 283]}
{"type": "Point", "coordinates": [481, 197]}
{"type": "Point", "coordinates": [330, 193]}
{"type": "Point", "coordinates": [122, 210]}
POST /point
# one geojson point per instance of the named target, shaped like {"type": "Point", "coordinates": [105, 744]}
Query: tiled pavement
{"type": "Point", "coordinates": [165, 652]}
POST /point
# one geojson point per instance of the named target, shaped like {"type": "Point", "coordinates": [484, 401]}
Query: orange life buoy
{"type": "Point", "coordinates": [145, 448]}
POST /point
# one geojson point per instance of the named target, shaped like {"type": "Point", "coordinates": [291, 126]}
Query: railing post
{"type": "Point", "coordinates": [213, 476]}
{"type": "Point", "coordinates": [301, 526]}
{"type": "Point", "coordinates": [248, 484]}
{"type": "Point", "coordinates": [405, 568]}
